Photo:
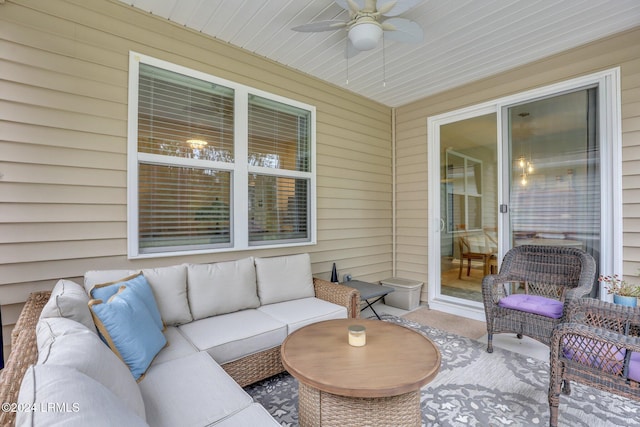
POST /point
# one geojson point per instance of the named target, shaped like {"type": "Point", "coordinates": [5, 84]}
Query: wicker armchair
{"type": "Point", "coordinates": [598, 345]}
{"type": "Point", "coordinates": [553, 272]}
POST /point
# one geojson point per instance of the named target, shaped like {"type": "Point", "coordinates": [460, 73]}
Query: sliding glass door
{"type": "Point", "coordinates": [468, 201]}
{"type": "Point", "coordinates": [554, 187]}
{"type": "Point", "coordinates": [540, 168]}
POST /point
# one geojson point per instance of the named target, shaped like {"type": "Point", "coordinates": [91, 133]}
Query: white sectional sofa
{"type": "Point", "coordinates": [223, 325]}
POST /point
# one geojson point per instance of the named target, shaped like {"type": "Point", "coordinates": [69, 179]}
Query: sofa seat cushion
{"type": "Point", "coordinates": [193, 391]}
{"type": "Point", "coordinates": [177, 346]}
{"type": "Point", "coordinates": [533, 304]}
{"type": "Point", "coordinates": [69, 299]}
{"type": "Point", "coordinates": [66, 397]}
{"type": "Point", "coordinates": [169, 286]}
{"type": "Point", "coordinates": [222, 287]}
{"type": "Point", "coordinates": [254, 415]}
{"type": "Point", "coordinates": [284, 278]}
{"type": "Point", "coordinates": [301, 312]}
{"type": "Point", "coordinates": [231, 336]}
{"type": "Point", "coordinates": [64, 342]}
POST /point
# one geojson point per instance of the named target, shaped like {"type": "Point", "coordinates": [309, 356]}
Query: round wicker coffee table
{"type": "Point", "coordinates": [377, 384]}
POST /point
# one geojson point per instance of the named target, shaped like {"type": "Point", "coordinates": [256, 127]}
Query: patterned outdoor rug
{"type": "Point", "coordinates": [475, 388]}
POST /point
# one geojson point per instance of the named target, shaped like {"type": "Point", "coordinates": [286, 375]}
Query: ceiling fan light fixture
{"type": "Point", "coordinates": [365, 36]}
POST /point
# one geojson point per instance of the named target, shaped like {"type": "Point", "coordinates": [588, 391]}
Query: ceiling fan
{"type": "Point", "coordinates": [368, 21]}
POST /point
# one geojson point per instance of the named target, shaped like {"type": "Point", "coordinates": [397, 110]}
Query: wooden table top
{"type": "Point", "coordinates": [395, 360]}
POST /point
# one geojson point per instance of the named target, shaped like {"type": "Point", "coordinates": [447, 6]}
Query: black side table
{"type": "Point", "coordinates": [369, 291]}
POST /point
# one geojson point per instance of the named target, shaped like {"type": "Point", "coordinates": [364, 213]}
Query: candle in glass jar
{"type": "Point", "coordinates": [357, 335]}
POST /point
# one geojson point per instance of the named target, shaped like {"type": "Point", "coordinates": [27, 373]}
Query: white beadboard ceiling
{"type": "Point", "coordinates": [464, 40]}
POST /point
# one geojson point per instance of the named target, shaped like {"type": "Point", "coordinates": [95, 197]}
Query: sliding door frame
{"type": "Point", "coordinates": [610, 137]}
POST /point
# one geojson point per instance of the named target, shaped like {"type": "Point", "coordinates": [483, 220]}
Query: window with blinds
{"type": "Point", "coordinates": [188, 187]}
{"type": "Point", "coordinates": [278, 201]}
{"type": "Point", "coordinates": [183, 208]}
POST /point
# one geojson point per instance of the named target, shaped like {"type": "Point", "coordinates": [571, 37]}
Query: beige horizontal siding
{"type": "Point", "coordinates": [53, 232]}
{"type": "Point", "coordinates": [63, 147]}
{"type": "Point", "coordinates": [631, 165]}
{"type": "Point", "coordinates": [411, 139]}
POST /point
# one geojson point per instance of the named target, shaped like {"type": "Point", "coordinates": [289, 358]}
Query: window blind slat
{"type": "Point", "coordinates": [278, 208]}
{"type": "Point", "coordinates": [183, 116]}
{"type": "Point", "coordinates": [179, 206]}
{"type": "Point", "coordinates": [278, 135]}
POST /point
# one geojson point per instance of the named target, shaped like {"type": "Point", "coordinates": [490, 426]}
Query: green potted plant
{"type": "Point", "coordinates": [624, 293]}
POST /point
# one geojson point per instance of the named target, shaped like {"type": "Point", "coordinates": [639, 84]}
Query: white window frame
{"type": "Point", "coordinates": [240, 169]}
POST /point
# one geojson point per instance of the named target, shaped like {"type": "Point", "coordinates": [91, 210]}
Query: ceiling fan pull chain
{"type": "Point", "coordinates": [384, 65]}
{"type": "Point", "coordinates": [347, 63]}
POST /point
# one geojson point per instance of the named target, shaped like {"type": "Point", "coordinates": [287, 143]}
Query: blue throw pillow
{"type": "Point", "coordinates": [139, 284]}
{"type": "Point", "coordinates": [128, 328]}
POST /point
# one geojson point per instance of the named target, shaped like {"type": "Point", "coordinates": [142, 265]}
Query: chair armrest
{"type": "Point", "coordinates": [578, 292]}
{"type": "Point", "coordinates": [493, 287]}
{"type": "Point", "coordinates": [597, 313]}
{"type": "Point", "coordinates": [24, 353]}
{"type": "Point", "coordinates": [339, 294]}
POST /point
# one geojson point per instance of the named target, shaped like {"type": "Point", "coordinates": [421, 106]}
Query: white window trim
{"type": "Point", "coordinates": [610, 128]}
{"type": "Point", "coordinates": [240, 168]}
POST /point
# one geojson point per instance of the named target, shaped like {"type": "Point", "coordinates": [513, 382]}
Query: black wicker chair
{"type": "Point", "coordinates": [598, 345]}
{"type": "Point", "coordinates": [553, 272]}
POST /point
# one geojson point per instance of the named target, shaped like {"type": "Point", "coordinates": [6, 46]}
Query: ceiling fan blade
{"type": "Point", "coordinates": [320, 26]}
{"type": "Point", "coordinates": [386, 8]}
{"type": "Point", "coordinates": [398, 7]}
{"type": "Point", "coordinates": [345, 4]}
{"type": "Point", "coordinates": [402, 30]}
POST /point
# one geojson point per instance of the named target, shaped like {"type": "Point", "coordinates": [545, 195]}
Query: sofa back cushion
{"type": "Point", "coordinates": [220, 288]}
{"type": "Point", "coordinates": [69, 299]}
{"type": "Point", "coordinates": [284, 278]}
{"type": "Point", "coordinates": [169, 286]}
{"type": "Point", "coordinates": [62, 396]}
{"type": "Point", "coordinates": [64, 342]}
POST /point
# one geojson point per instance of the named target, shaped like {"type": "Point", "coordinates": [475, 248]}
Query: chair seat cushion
{"type": "Point", "coordinates": [596, 354]}
{"type": "Point", "coordinates": [634, 366]}
{"type": "Point", "coordinates": [533, 304]}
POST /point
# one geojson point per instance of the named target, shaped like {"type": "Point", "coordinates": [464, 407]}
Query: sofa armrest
{"type": "Point", "coordinates": [24, 353]}
{"type": "Point", "coordinates": [339, 294]}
